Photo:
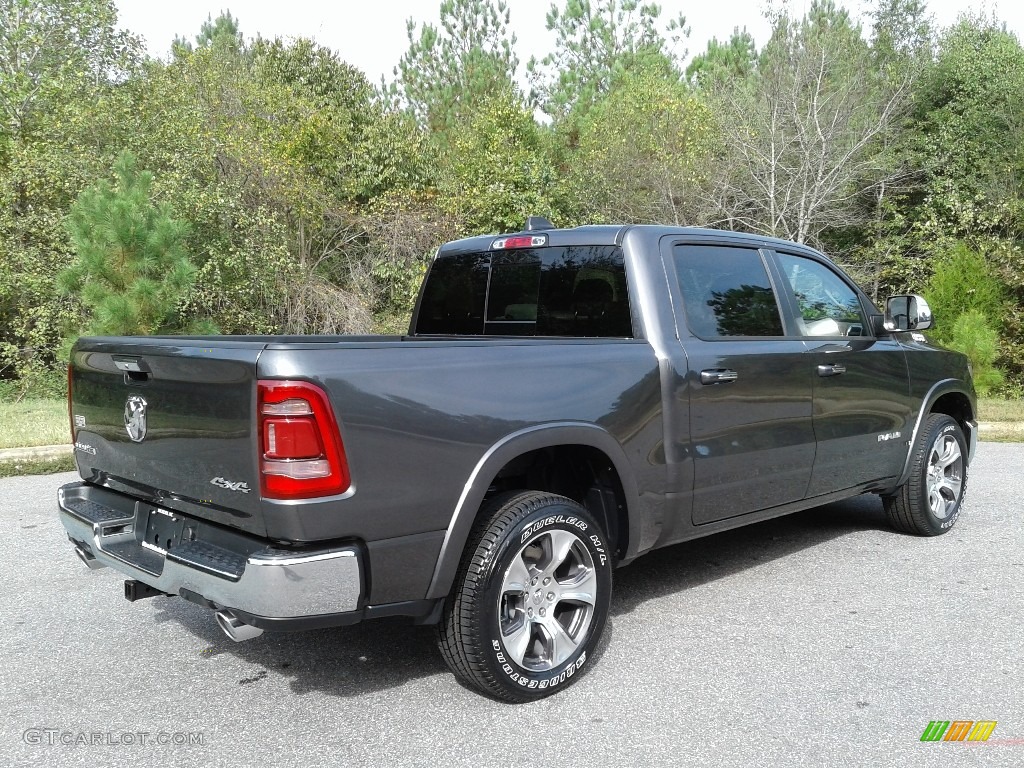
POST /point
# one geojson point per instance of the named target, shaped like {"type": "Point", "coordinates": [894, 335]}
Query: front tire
{"type": "Point", "coordinates": [929, 503]}
{"type": "Point", "coordinates": [530, 599]}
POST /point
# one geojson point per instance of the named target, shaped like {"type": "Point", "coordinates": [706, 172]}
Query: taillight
{"type": "Point", "coordinates": [301, 453]}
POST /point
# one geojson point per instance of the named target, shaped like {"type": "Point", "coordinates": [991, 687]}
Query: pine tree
{"type": "Point", "coordinates": [131, 268]}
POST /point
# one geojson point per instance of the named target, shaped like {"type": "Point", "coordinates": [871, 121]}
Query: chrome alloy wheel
{"type": "Point", "coordinates": [547, 598]}
{"type": "Point", "coordinates": [945, 475]}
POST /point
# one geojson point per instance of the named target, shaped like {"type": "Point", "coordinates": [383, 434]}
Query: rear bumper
{"type": "Point", "coordinates": [227, 570]}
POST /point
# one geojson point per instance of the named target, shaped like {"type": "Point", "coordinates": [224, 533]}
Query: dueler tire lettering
{"type": "Point", "coordinates": [930, 502]}
{"type": "Point", "coordinates": [530, 598]}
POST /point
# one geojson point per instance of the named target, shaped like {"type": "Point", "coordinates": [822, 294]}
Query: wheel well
{"type": "Point", "coordinates": [579, 472]}
{"type": "Point", "coordinates": [957, 405]}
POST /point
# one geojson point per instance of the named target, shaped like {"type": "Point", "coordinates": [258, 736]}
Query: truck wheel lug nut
{"type": "Point", "coordinates": [551, 595]}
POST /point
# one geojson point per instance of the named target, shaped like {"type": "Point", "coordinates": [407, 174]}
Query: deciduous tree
{"type": "Point", "coordinates": [798, 136]}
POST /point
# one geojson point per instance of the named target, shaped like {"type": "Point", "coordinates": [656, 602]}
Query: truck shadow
{"type": "Point", "coordinates": [362, 659]}
{"type": "Point", "coordinates": [343, 661]}
{"type": "Point", "coordinates": [693, 563]}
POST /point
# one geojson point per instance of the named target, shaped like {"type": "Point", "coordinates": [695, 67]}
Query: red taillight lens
{"type": "Point", "coordinates": [301, 452]}
{"type": "Point", "coordinates": [291, 439]}
{"type": "Point", "coordinates": [518, 241]}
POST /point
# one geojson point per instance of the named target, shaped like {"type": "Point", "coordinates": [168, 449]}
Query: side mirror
{"type": "Point", "coordinates": [907, 313]}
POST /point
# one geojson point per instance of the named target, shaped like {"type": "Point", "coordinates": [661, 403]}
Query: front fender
{"type": "Point", "coordinates": [938, 390]}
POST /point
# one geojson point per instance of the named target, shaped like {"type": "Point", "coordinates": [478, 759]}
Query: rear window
{"type": "Point", "coordinates": [549, 291]}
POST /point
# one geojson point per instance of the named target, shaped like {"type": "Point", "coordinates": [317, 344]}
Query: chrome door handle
{"type": "Point", "coordinates": [718, 376]}
{"type": "Point", "coordinates": [831, 370]}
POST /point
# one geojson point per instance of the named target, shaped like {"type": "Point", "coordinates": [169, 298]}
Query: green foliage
{"type": "Point", "coordinates": [445, 74]}
{"type": "Point", "coordinates": [970, 133]}
{"type": "Point", "coordinates": [640, 151]}
{"type": "Point", "coordinates": [962, 283]}
{"type": "Point", "coordinates": [597, 41]}
{"type": "Point", "coordinates": [973, 334]}
{"type": "Point", "coordinates": [37, 383]}
{"type": "Point", "coordinates": [496, 173]}
{"type": "Point", "coordinates": [734, 59]}
{"type": "Point", "coordinates": [901, 37]}
{"type": "Point", "coordinates": [336, 129]}
{"type": "Point", "coordinates": [131, 270]}
{"type": "Point", "coordinates": [313, 72]}
{"type": "Point", "coordinates": [51, 49]}
{"type": "Point", "coordinates": [309, 201]}
{"type": "Point", "coordinates": [222, 32]}
{"type": "Point", "coordinates": [60, 62]}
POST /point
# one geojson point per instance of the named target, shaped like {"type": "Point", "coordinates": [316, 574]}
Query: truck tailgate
{"type": "Point", "coordinates": [171, 420]}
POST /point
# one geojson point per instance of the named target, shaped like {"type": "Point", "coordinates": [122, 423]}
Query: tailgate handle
{"type": "Point", "coordinates": [718, 376]}
{"type": "Point", "coordinates": [134, 368]}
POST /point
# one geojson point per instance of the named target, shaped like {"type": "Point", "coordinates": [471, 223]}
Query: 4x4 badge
{"type": "Point", "coordinates": [135, 418]}
{"type": "Point", "coordinates": [220, 482]}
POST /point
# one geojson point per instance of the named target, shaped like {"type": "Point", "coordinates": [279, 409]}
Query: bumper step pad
{"type": "Point", "coordinates": [95, 513]}
{"type": "Point", "coordinates": [209, 558]}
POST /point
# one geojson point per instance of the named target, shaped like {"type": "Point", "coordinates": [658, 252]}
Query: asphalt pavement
{"type": "Point", "coordinates": [819, 639]}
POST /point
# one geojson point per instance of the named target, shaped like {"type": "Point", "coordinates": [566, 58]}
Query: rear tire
{"type": "Point", "coordinates": [530, 598]}
{"type": "Point", "coordinates": [929, 503]}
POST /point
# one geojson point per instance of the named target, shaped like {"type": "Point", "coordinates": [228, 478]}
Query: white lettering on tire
{"type": "Point", "coordinates": [532, 683]}
{"type": "Point", "coordinates": [532, 529]}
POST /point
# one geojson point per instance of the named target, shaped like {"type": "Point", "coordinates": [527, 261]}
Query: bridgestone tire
{"type": "Point", "coordinates": [929, 503]}
{"type": "Point", "coordinates": [530, 598]}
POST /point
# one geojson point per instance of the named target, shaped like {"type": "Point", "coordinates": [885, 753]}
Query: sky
{"type": "Point", "coordinates": [372, 35]}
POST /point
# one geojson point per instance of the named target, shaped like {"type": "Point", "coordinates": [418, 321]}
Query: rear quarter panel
{"type": "Point", "coordinates": [418, 416]}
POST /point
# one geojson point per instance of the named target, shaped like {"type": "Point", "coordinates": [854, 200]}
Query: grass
{"type": "Point", "coordinates": [999, 410]}
{"type": "Point", "coordinates": [34, 422]}
{"type": "Point", "coordinates": [1002, 420]}
{"type": "Point", "coordinates": [37, 466]}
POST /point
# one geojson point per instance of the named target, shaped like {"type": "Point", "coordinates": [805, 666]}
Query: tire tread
{"type": "Point", "coordinates": [906, 509]}
{"type": "Point", "coordinates": [459, 646]}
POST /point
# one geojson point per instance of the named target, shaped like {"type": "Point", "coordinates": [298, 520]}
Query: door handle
{"type": "Point", "coordinates": [831, 370]}
{"type": "Point", "coordinates": [718, 376]}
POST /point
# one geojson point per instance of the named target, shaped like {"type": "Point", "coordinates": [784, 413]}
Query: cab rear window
{"type": "Point", "coordinates": [548, 291]}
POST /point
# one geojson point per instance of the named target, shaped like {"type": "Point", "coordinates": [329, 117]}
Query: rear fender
{"type": "Point", "coordinates": [501, 453]}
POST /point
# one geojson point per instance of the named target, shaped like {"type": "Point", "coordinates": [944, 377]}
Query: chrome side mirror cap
{"type": "Point", "coordinates": [907, 313]}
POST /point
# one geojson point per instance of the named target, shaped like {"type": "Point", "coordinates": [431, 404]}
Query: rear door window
{"type": "Point", "coordinates": [726, 292]}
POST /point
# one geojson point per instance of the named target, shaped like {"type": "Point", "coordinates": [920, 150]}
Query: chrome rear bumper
{"type": "Point", "coordinates": [108, 529]}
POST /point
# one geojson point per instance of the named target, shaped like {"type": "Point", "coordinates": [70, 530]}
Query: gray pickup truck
{"type": "Point", "coordinates": [565, 401]}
